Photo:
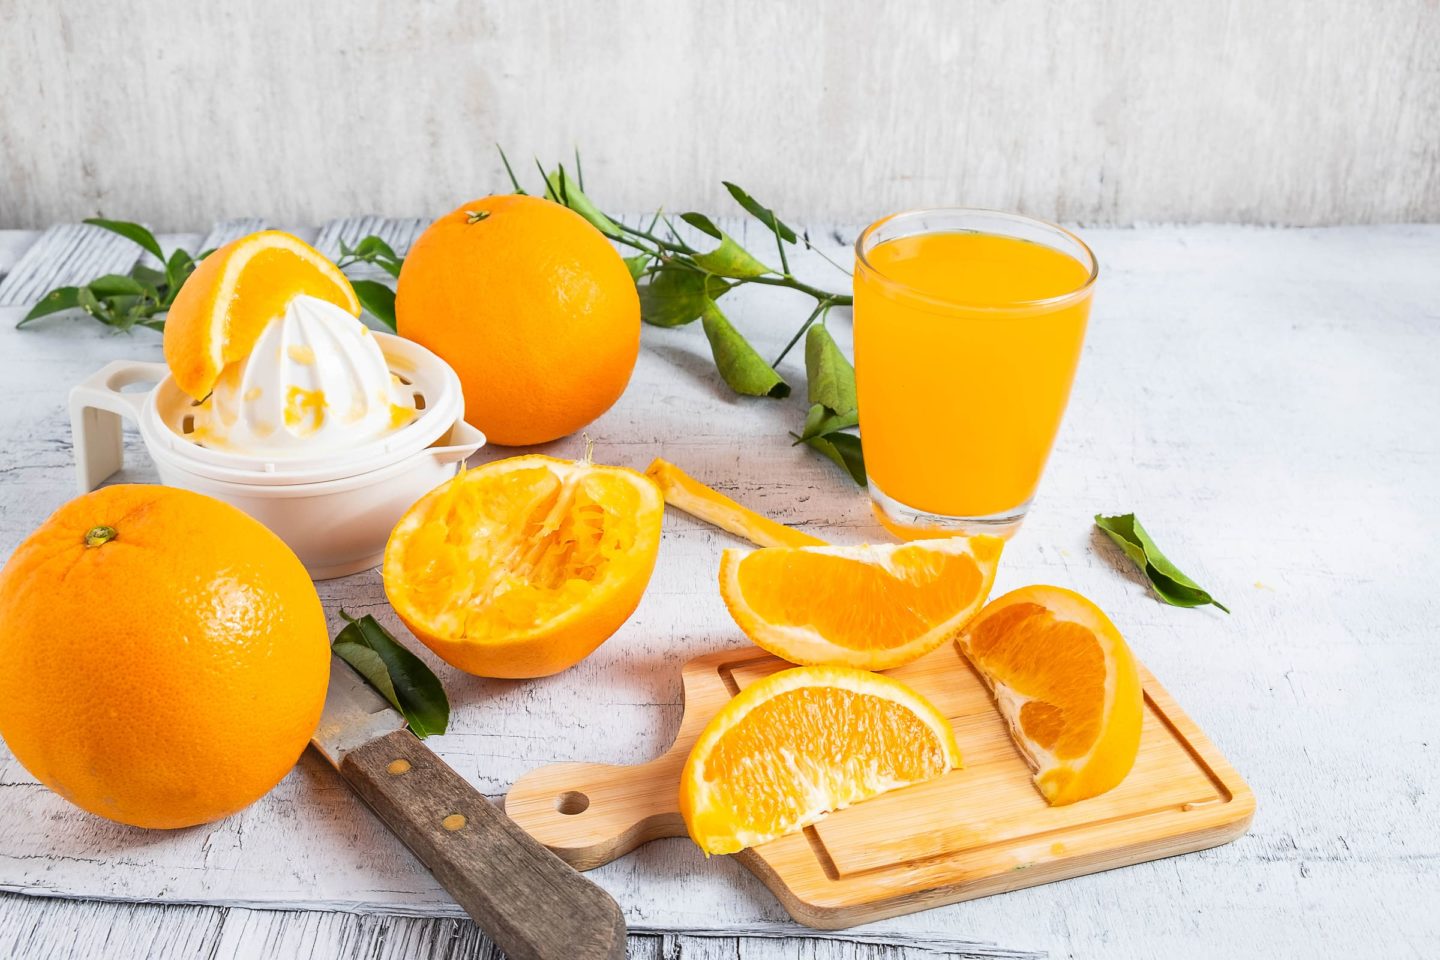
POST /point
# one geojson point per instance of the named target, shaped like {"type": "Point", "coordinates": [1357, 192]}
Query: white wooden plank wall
{"type": "Point", "coordinates": [1287, 111]}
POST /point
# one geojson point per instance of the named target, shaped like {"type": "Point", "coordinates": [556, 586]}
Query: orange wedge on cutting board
{"type": "Point", "coordinates": [801, 743]}
{"type": "Point", "coordinates": [234, 293]}
{"type": "Point", "coordinates": [1067, 685]}
{"type": "Point", "coordinates": [522, 567]}
{"type": "Point", "coordinates": [873, 606]}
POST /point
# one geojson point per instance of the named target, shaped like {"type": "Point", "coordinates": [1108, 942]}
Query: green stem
{"type": "Point", "coordinates": [811, 246]}
{"type": "Point", "coordinates": [820, 307]}
{"type": "Point", "coordinates": [836, 299]}
{"type": "Point", "coordinates": [636, 245]}
{"type": "Point", "coordinates": [658, 241]}
{"type": "Point", "coordinates": [779, 245]}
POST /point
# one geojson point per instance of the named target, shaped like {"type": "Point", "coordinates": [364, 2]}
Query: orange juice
{"type": "Point", "coordinates": [966, 343]}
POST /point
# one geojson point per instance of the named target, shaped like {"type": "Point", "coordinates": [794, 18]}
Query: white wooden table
{"type": "Point", "coordinates": [1265, 400]}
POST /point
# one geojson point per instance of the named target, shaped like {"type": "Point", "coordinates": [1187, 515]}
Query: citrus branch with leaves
{"type": "Point", "coordinates": [678, 281]}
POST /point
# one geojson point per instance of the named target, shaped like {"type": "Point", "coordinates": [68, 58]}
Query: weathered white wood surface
{"type": "Point", "coordinates": [1283, 111]}
{"type": "Point", "coordinates": [1264, 399]}
{"type": "Point", "coordinates": [36, 928]}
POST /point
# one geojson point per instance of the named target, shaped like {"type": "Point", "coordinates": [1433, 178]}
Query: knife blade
{"type": "Point", "coordinates": [529, 901]}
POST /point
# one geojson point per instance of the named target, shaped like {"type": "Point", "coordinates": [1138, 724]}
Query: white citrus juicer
{"type": "Point", "coordinates": [334, 505]}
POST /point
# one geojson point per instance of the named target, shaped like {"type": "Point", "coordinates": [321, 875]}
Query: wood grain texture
{"type": "Point", "coordinates": [64, 255]}
{"type": "Point", "coordinates": [1290, 111]}
{"type": "Point", "coordinates": [226, 230]}
{"type": "Point", "coordinates": [46, 928]}
{"type": "Point", "coordinates": [971, 833]}
{"type": "Point", "coordinates": [1263, 399]}
{"type": "Point", "coordinates": [524, 897]}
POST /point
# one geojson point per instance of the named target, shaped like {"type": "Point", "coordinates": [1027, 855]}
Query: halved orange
{"type": "Point", "coordinates": [873, 606]}
{"type": "Point", "coordinates": [522, 567]}
{"type": "Point", "coordinates": [234, 293]}
{"type": "Point", "coordinates": [1067, 685]}
{"type": "Point", "coordinates": [801, 743]}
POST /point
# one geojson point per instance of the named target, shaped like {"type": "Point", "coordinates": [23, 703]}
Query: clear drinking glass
{"type": "Point", "coordinates": [968, 328]}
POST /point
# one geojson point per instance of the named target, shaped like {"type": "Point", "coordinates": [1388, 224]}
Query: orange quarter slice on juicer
{"type": "Point", "coordinates": [234, 293]}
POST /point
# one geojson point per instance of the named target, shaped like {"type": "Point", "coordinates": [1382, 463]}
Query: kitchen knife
{"type": "Point", "coordinates": [530, 902]}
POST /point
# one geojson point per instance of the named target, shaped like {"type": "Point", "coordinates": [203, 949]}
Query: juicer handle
{"type": "Point", "coordinates": [97, 407]}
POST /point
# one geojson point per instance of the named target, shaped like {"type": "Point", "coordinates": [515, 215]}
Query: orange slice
{"type": "Point", "coordinates": [522, 567]}
{"type": "Point", "coordinates": [684, 492]}
{"type": "Point", "coordinates": [874, 606]}
{"type": "Point", "coordinates": [802, 742]}
{"type": "Point", "coordinates": [1066, 683]}
{"type": "Point", "coordinates": [234, 293]}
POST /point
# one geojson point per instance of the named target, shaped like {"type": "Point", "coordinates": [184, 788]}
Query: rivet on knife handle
{"type": "Point", "coordinates": [531, 903]}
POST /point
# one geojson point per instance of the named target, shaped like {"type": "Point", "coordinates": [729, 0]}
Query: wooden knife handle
{"type": "Point", "coordinates": [533, 905]}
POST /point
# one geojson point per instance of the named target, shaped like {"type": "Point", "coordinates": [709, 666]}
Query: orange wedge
{"type": "Point", "coordinates": [684, 492]}
{"type": "Point", "coordinates": [522, 567]}
{"type": "Point", "coordinates": [1066, 683]}
{"type": "Point", "coordinates": [234, 293]}
{"type": "Point", "coordinates": [802, 742]}
{"type": "Point", "coordinates": [873, 607]}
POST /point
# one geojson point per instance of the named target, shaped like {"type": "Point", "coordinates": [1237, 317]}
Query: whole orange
{"type": "Point", "coordinates": [163, 656]}
{"type": "Point", "coordinates": [533, 308]}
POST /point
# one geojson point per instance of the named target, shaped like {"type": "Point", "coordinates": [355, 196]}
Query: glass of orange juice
{"type": "Point", "coordinates": [968, 327]}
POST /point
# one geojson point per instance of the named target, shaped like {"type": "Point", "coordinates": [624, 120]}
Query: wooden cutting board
{"type": "Point", "coordinates": [973, 832]}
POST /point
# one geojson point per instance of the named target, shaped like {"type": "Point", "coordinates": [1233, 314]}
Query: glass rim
{"type": "Point", "coordinates": [947, 303]}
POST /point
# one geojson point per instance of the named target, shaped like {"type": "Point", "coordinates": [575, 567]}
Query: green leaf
{"type": "Point", "coordinates": [149, 276]}
{"type": "Point", "coordinates": [114, 285]}
{"type": "Point", "coordinates": [1169, 584]}
{"type": "Point", "coordinates": [131, 231]}
{"type": "Point", "coordinates": [740, 366]}
{"type": "Point", "coordinates": [637, 265]}
{"type": "Point", "coordinates": [729, 259]}
{"type": "Point", "coordinates": [821, 421]}
{"type": "Point", "coordinates": [61, 298]}
{"type": "Point", "coordinates": [844, 449]}
{"type": "Point", "coordinates": [675, 295]}
{"type": "Point", "coordinates": [127, 310]}
{"type": "Point", "coordinates": [567, 192]}
{"type": "Point", "coordinates": [177, 270]}
{"type": "Point", "coordinates": [86, 300]}
{"type": "Point", "coordinates": [830, 375]}
{"type": "Point", "coordinates": [373, 248]}
{"type": "Point", "coordinates": [399, 675]}
{"type": "Point", "coordinates": [764, 214]}
{"type": "Point", "coordinates": [550, 192]}
{"type": "Point", "coordinates": [511, 173]}
{"type": "Point", "coordinates": [378, 299]}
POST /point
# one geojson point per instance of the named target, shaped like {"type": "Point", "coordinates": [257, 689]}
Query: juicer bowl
{"type": "Point", "coordinates": [335, 511]}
